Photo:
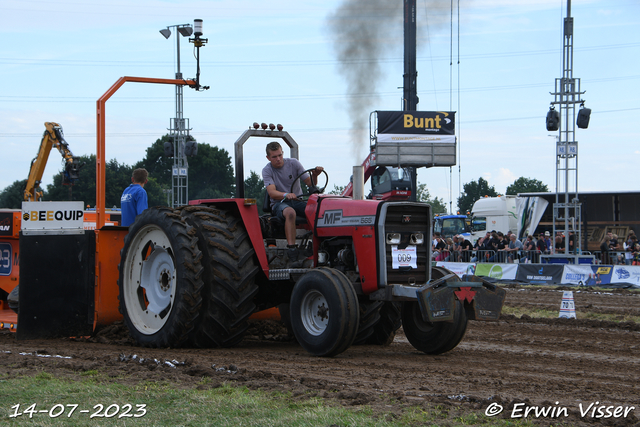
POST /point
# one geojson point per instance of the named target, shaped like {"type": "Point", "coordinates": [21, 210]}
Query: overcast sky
{"type": "Point", "coordinates": [494, 62]}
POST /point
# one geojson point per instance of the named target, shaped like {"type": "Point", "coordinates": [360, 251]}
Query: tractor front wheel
{"type": "Point", "coordinates": [437, 337]}
{"type": "Point", "coordinates": [433, 338]}
{"type": "Point", "coordinates": [324, 312]}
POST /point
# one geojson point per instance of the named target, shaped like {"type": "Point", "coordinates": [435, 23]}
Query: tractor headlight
{"type": "Point", "coordinates": [393, 238]}
{"type": "Point", "coordinates": [417, 238]}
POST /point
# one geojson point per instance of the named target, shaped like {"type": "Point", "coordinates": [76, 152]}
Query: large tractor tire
{"type": "Point", "coordinates": [390, 321]}
{"type": "Point", "coordinates": [369, 318]}
{"type": "Point", "coordinates": [437, 337]}
{"type": "Point", "coordinates": [324, 312]}
{"type": "Point", "coordinates": [160, 279]}
{"type": "Point", "coordinates": [230, 267]}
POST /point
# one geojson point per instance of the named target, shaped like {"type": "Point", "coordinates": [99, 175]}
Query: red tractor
{"type": "Point", "coordinates": [194, 275]}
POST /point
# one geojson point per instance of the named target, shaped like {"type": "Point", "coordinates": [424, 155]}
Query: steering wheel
{"type": "Point", "coordinates": [313, 189]}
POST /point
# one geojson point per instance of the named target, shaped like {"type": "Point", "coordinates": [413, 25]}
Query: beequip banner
{"type": "Point", "coordinates": [416, 126]}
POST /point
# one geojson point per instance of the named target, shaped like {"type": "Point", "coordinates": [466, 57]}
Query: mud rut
{"type": "Point", "coordinates": [517, 360]}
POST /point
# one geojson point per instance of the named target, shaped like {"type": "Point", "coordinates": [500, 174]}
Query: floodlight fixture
{"type": "Point", "coordinates": [166, 33]}
{"type": "Point", "coordinates": [185, 30]}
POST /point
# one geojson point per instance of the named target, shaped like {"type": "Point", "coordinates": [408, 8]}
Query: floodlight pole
{"type": "Point", "coordinates": [179, 129]}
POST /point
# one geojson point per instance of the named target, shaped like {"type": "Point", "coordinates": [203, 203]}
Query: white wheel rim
{"type": "Point", "coordinates": [149, 283]}
{"type": "Point", "coordinates": [314, 312]}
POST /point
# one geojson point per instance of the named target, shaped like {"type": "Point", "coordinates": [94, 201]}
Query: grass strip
{"type": "Point", "coordinates": [165, 405]}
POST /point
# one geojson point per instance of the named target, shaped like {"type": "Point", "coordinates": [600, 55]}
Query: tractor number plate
{"type": "Point", "coordinates": [402, 258]}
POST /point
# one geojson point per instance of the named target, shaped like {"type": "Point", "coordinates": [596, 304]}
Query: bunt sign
{"type": "Point", "coordinates": [416, 126]}
{"type": "Point", "coordinates": [415, 138]}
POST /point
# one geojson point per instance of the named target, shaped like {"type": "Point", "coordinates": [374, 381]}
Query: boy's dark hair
{"type": "Point", "coordinates": [140, 175]}
{"type": "Point", "coordinates": [273, 146]}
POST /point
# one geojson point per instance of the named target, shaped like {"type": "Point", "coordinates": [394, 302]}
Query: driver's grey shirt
{"type": "Point", "coordinates": [283, 177]}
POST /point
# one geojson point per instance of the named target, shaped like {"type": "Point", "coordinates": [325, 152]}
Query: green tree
{"type": "Point", "coordinates": [210, 171]}
{"type": "Point", "coordinates": [254, 189]}
{"type": "Point", "coordinates": [474, 191]}
{"type": "Point", "coordinates": [437, 205]}
{"type": "Point", "coordinates": [156, 163]}
{"type": "Point", "coordinates": [337, 189]}
{"type": "Point", "coordinates": [118, 177]}
{"type": "Point", "coordinates": [84, 189]}
{"type": "Point", "coordinates": [13, 195]}
{"type": "Point", "coordinates": [527, 185]}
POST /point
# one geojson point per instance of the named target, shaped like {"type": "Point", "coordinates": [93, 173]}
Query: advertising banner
{"type": "Point", "coordinates": [52, 217]}
{"type": "Point", "coordinates": [497, 271]}
{"type": "Point", "coordinates": [460, 268]}
{"type": "Point", "coordinates": [582, 275]}
{"type": "Point", "coordinates": [530, 211]}
{"type": "Point", "coordinates": [6, 223]}
{"type": "Point", "coordinates": [626, 274]}
{"type": "Point", "coordinates": [416, 126]}
{"type": "Point", "coordinates": [540, 273]}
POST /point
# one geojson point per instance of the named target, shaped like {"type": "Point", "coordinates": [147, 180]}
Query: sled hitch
{"type": "Point", "coordinates": [482, 299]}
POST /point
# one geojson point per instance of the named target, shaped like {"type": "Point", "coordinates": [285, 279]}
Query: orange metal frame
{"type": "Point", "coordinates": [110, 240]}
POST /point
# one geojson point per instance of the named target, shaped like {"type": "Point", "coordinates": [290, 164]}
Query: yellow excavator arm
{"type": "Point", "coordinates": [53, 136]}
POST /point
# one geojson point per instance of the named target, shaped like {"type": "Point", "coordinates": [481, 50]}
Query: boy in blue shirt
{"type": "Point", "coordinates": [134, 197]}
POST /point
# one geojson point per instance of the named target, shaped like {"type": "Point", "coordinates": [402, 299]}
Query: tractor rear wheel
{"type": "Point", "coordinates": [369, 319]}
{"type": "Point", "coordinates": [437, 337]}
{"type": "Point", "coordinates": [160, 279]}
{"type": "Point", "coordinates": [324, 312]}
{"type": "Point", "coordinates": [390, 321]}
{"type": "Point", "coordinates": [230, 267]}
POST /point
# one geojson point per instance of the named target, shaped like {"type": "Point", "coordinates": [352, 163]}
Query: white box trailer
{"type": "Point", "coordinates": [494, 213]}
{"type": "Point", "coordinates": [520, 215]}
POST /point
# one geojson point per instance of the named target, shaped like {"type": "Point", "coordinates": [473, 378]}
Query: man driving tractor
{"type": "Point", "coordinates": [279, 175]}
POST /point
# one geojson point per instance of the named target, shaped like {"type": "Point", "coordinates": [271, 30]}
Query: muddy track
{"type": "Point", "coordinates": [537, 362]}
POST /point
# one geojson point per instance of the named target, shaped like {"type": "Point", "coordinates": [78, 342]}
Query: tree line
{"type": "Point", "coordinates": [210, 177]}
{"type": "Point", "coordinates": [476, 190]}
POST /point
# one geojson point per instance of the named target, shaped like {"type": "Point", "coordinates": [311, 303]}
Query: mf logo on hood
{"type": "Point", "coordinates": [406, 219]}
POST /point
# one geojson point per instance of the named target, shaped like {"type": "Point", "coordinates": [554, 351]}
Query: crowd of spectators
{"type": "Point", "coordinates": [498, 247]}
{"type": "Point", "coordinates": [612, 251]}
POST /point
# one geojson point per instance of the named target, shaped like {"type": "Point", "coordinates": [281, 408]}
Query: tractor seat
{"type": "Point", "coordinates": [266, 207]}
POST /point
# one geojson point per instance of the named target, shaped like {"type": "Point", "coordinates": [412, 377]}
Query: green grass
{"type": "Point", "coordinates": [222, 406]}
